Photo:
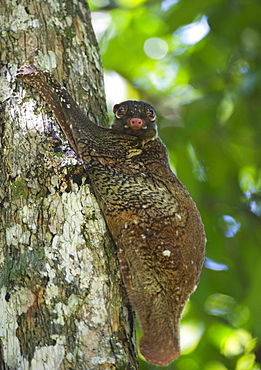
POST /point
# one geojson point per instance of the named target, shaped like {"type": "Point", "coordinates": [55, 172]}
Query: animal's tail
{"type": "Point", "coordinates": [161, 345]}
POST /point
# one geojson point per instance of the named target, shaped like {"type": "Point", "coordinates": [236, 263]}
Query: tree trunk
{"type": "Point", "coordinates": [62, 302]}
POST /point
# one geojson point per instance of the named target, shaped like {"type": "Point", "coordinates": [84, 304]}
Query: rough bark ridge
{"type": "Point", "coordinates": [151, 216]}
{"type": "Point", "coordinates": [61, 295]}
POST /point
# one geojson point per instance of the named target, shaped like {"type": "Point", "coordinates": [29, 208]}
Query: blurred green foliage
{"type": "Point", "coordinates": [199, 63]}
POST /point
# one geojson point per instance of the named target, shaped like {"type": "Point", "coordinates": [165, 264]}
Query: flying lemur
{"type": "Point", "coordinates": [152, 218]}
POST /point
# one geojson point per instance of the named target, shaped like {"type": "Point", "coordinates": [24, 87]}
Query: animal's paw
{"type": "Point", "coordinates": [26, 71]}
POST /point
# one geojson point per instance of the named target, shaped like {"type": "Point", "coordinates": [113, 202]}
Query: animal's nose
{"type": "Point", "coordinates": [136, 123]}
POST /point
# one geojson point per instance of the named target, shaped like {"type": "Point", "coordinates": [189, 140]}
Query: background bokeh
{"type": "Point", "coordinates": [198, 62]}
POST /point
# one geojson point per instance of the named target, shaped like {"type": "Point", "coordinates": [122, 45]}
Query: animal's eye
{"type": "Point", "coordinates": [150, 112]}
{"type": "Point", "coordinates": [121, 109]}
{"type": "Point", "coordinates": [119, 112]}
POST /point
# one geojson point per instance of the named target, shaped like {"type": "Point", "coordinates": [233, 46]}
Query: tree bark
{"type": "Point", "coordinates": [62, 302]}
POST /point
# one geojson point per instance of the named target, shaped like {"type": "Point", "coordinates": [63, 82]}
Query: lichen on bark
{"type": "Point", "coordinates": [62, 301]}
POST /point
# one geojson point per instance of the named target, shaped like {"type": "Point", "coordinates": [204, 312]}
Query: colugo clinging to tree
{"type": "Point", "coordinates": [152, 218]}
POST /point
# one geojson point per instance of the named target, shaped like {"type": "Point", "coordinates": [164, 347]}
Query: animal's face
{"type": "Point", "coordinates": [135, 118]}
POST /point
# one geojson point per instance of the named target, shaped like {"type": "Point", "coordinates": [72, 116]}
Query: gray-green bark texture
{"type": "Point", "coordinates": [62, 303]}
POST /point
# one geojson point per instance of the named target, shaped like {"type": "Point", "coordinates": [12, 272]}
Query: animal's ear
{"type": "Point", "coordinates": [116, 106]}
